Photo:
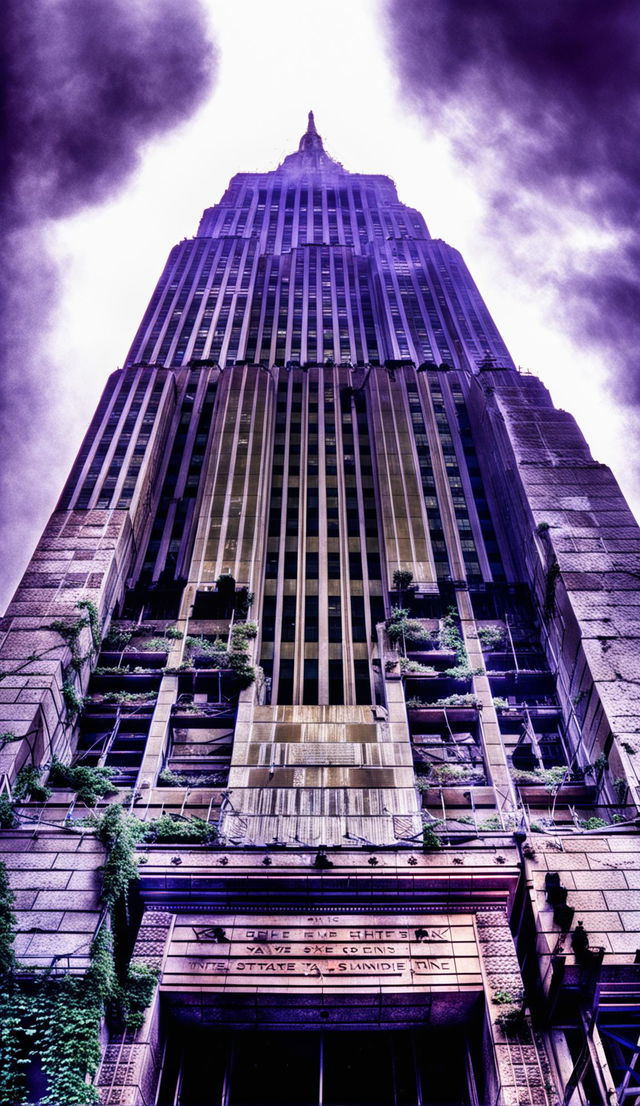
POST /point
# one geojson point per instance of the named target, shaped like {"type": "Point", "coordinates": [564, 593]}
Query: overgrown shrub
{"type": "Point", "coordinates": [551, 778]}
{"type": "Point", "coordinates": [175, 831]}
{"type": "Point", "coordinates": [491, 637]}
{"type": "Point", "coordinates": [402, 628]}
{"type": "Point", "coordinates": [28, 786]}
{"type": "Point", "coordinates": [90, 784]}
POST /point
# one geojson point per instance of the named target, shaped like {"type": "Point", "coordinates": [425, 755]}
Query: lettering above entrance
{"type": "Point", "coordinates": [323, 952]}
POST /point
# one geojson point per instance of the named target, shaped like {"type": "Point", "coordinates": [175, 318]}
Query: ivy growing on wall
{"type": "Point", "coordinates": [57, 1017]}
{"type": "Point", "coordinates": [66, 1013]}
{"type": "Point", "coordinates": [70, 633]}
{"type": "Point", "coordinates": [7, 926]}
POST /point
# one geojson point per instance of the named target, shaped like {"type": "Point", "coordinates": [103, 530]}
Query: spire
{"type": "Point", "coordinates": [311, 154]}
{"type": "Point", "coordinates": [311, 143]}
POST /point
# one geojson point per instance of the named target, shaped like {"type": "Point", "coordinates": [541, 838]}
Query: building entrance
{"type": "Point", "coordinates": [423, 1067]}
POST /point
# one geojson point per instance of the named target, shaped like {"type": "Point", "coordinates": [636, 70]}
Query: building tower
{"type": "Point", "coordinates": [333, 635]}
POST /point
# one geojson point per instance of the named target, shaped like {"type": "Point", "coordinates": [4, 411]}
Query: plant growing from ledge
{"type": "Point", "coordinates": [176, 831]}
{"type": "Point", "coordinates": [452, 774]}
{"type": "Point", "coordinates": [28, 786]}
{"type": "Point", "coordinates": [490, 824]}
{"type": "Point", "coordinates": [456, 701]}
{"type": "Point", "coordinates": [491, 637]}
{"type": "Point", "coordinates": [414, 703]}
{"type": "Point", "coordinates": [600, 765]}
{"type": "Point", "coordinates": [500, 703]}
{"type": "Point", "coordinates": [593, 823]}
{"type": "Point", "coordinates": [125, 698]}
{"type": "Point", "coordinates": [7, 814]}
{"type": "Point", "coordinates": [507, 998]}
{"type": "Point", "coordinates": [401, 628]}
{"type": "Point", "coordinates": [216, 650]}
{"type": "Point", "coordinates": [167, 778]}
{"type": "Point", "coordinates": [116, 640]}
{"type": "Point", "coordinates": [415, 668]}
{"type": "Point", "coordinates": [243, 632]}
{"type": "Point", "coordinates": [90, 784]}
{"type": "Point", "coordinates": [430, 840]}
{"type": "Point", "coordinates": [550, 778]}
{"type": "Point", "coordinates": [450, 637]}
{"type": "Point", "coordinates": [463, 672]}
{"type": "Point", "coordinates": [511, 1019]}
{"type": "Point", "coordinates": [154, 645]}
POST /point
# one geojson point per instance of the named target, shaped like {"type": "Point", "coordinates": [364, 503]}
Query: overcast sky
{"type": "Point", "coordinates": [276, 60]}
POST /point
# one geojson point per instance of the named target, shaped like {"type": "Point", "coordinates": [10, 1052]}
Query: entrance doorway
{"type": "Point", "coordinates": [414, 1067]}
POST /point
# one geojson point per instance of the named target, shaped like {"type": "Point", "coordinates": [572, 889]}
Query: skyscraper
{"type": "Point", "coordinates": [333, 632]}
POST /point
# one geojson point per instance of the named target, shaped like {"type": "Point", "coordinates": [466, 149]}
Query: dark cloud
{"type": "Point", "coordinates": [85, 84]}
{"type": "Point", "coordinates": [542, 99]}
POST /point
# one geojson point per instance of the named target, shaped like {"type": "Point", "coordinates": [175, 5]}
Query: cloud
{"type": "Point", "coordinates": [86, 84]}
{"type": "Point", "coordinates": [542, 102]}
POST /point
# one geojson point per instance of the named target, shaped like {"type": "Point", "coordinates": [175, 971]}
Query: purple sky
{"type": "Point", "coordinates": [513, 127]}
{"type": "Point", "coordinates": [87, 83]}
{"type": "Point", "coordinates": [542, 101]}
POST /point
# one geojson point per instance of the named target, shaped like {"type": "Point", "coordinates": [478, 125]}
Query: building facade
{"type": "Point", "coordinates": [332, 635]}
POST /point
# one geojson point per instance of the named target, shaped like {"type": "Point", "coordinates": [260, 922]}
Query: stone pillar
{"type": "Point", "coordinates": [130, 1065]}
{"type": "Point", "coordinates": [523, 1070]}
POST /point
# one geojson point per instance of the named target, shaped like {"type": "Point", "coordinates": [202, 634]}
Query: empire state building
{"type": "Point", "coordinates": [319, 695]}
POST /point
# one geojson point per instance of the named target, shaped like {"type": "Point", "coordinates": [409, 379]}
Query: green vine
{"type": "Point", "coordinates": [14, 1045]}
{"type": "Point", "coordinates": [551, 778]}
{"type": "Point", "coordinates": [450, 637]}
{"type": "Point", "coordinates": [119, 833]}
{"type": "Point", "coordinates": [491, 637]}
{"type": "Point", "coordinates": [125, 698]}
{"type": "Point", "coordinates": [167, 778]}
{"type": "Point", "coordinates": [7, 814]}
{"type": "Point", "coordinates": [70, 633]}
{"type": "Point", "coordinates": [448, 701]}
{"type": "Point", "coordinates": [402, 628]}
{"type": "Point", "coordinates": [93, 619]}
{"type": "Point", "coordinates": [409, 667]}
{"type": "Point", "coordinates": [73, 702]}
{"type": "Point", "coordinates": [67, 1014]}
{"type": "Point", "coordinates": [136, 994]}
{"type": "Point", "coordinates": [7, 926]}
{"type": "Point", "coordinates": [90, 784]}
{"type": "Point", "coordinates": [463, 672]}
{"type": "Point", "coordinates": [175, 831]}
{"type": "Point", "coordinates": [117, 639]}
{"type": "Point", "coordinates": [58, 1018]}
{"type": "Point", "coordinates": [28, 786]}
{"type": "Point", "coordinates": [430, 839]}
